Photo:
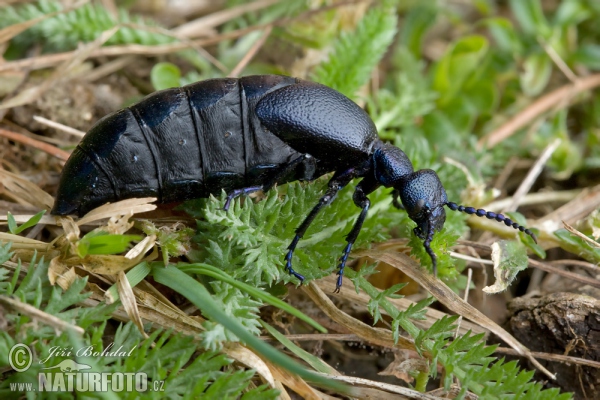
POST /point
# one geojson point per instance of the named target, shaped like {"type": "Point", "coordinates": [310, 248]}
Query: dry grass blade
{"type": "Point", "coordinates": [25, 192]}
{"type": "Point", "coordinates": [578, 208]}
{"type": "Point", "coordinates": [21, 242]}
{"type": "Point", "coordinates": [40, 316]}
{"type": "Point", "coordinates": [203, 26]}
{"type": "Point", "coordinates": [451, 300]}
{"type": "Point", "coordinates": [247, 357]}
{"type": "Point", "coordinates": [251, 53]}
{"type": "Point", "coordinates": [575, 232]}
{"type": "Point", "coordinates": [405, 392]}
{"type": "Point", "coordinates": [377, 336]}
{"type": "Point", "coordinates": [76, 58]}
{"type": "Point", "coordinates": [123, 207]}
{"type": "Point", "coordinates": [61, 275]}
{"type": "Point", "coordinates": [327, 284]}
{"type": "Point", "coordinates": [129, 303]}
{"type": "Point", "coordinates": [537, 108]}
{"type": "Point", "coordinates": [27, 141]}
{"type": "Point", "coordinates": [553, 357]}
{"type": "Point", "coordinates": [559, 196]}
{"type": "Point", "coordinates": [63, 128]}
{"type": "Point", "coordinates": [532, 175]}
{"type": "Point", "coordinates": [294, 382]}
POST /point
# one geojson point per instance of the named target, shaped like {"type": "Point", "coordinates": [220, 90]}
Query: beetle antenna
{"type": "Point", "coordinates": [490, 215]}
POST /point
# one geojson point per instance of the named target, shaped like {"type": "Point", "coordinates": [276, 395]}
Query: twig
{"type": "Point", "coordinates": [451, 300]}
{"type": "Point", "coordinates": [50, 60]}
{"type": "Point", "coordinates": [592, 268]}
{"type": "Point", "coordinates": [560, 63]}
{"type": "Point", "coordinates": [537, 108]}
{"type": "Point", "coordinates": [552, 357]}
{"type": "Point", "coordinates": [40, 315]}
{"type": "Point", "coordinates": [567, 274]}
{"type": "Point", "coordinates": [45, 147]}
{"type": "Point", "coordinates": [251, 53]}
{"type": "Point", "coordinates": [59, 126]}
{"type": "Point", "coordinates": [563, 196]}
{"type": "Point", "coordinates": [406, 392]}
{"type": "Point", "coordinates": [580, 235]}
{"type": "Point", "coordinates": [532, 175]}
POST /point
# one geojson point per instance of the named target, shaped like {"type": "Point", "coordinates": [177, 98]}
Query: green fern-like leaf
{"type": "Point", "coordinates": [84, 24]}
{"type": "Point", "coordinates": [356, 54]}
{"type": "Point", "coordinates": [250, 241]}
{"type": "Point", "coordinates": [466, 358]}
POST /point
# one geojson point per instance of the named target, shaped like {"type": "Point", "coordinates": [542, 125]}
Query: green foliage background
{"type": "Point", "coordinates": [430, 106]}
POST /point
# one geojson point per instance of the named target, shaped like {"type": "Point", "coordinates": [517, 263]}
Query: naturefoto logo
{"type": "Point", "coordinates": [69, 375]}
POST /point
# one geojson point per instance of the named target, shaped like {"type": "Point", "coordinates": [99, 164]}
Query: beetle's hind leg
{"type": "Point", "coordinates": [336, 184]}
{"type": "Point", "coordinates": [238, 192]}
{"type": "Point", "coordinates": [277, 176]}
{"type": "Point", "coordinates": [366, 186]}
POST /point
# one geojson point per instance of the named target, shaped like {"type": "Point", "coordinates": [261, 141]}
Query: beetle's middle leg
{"type": "Point", "coordinates": [336, 184]}
{"type": "Point", "coordinates": [365, 187]}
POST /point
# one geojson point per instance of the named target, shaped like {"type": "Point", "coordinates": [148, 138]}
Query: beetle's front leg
{"type": "Point", "coordinates": [395, 202]}
{"type": "Point", "coordinates": [366, 186]}
{"type": "Point", "coordinates": [336, 184]}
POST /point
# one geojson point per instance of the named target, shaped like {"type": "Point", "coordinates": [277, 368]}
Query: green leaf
{"type": "Point", "coordinates": [416, 24]}
{"type": "Point", "coordinates": [504, 34]}
{"type": "Point", "coordinates": [101, 242]}
{"type": "Point", "coordinates": [537, 69]}
{"type": "Point", "coordinates": [570, 13]}
{"type": "Point", "coordinates": [315, 362]}
{"type": "Point", "coordinates": [165, 75]}
{"type": "Point", "coordinates": [355, 54]}
{"type": "Point", "coordinates": [458, 64]}
{"type": "Point", "coordinates": [531, 17]}
{"type": "Point", "coordinates": [12, 224]}
{"type": "Point", "coordinates": [576, 245]}
{"type": "Point", "coordinates": [135, 275]}
{"type": "Point", "coordinates": [213, 272]}
{"type": "Point", "coordinates": [510, 258]}
{"type": "Point", "coordinates": [201, 298]}
{"type": "Point", "coordinates": [588, 55]}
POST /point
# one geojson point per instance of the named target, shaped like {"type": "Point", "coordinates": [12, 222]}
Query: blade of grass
{"type": "Point", "coordinates": [209, 270]}
{"type": "Point", "coordinates": [195, 292]}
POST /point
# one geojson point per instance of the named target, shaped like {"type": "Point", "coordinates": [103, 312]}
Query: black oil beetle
{"type": "Point", "coordinates": [244, 135]}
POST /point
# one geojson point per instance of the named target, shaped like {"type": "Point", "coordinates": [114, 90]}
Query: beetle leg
{"type": "Point", "coordinates": [237, 192]}
{"type": "Point", "coordinates": [336, 184]}
{"type": "Point", "coordinates": [395, 202]}
{"type": "Point", "coordinates": [283, 171]}
{"type": "Point", "coordinates": [360, 198]}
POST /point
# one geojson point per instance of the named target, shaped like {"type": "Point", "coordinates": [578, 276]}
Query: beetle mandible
{"type": "Point", "coordinates": [244, 135]}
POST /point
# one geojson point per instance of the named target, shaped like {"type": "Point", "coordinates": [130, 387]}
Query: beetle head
{"type": "Point", "coordinates": [424, 198]}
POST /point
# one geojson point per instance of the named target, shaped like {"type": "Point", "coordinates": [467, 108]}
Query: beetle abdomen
{"type": "Point", "coordinates": [176, 144]}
